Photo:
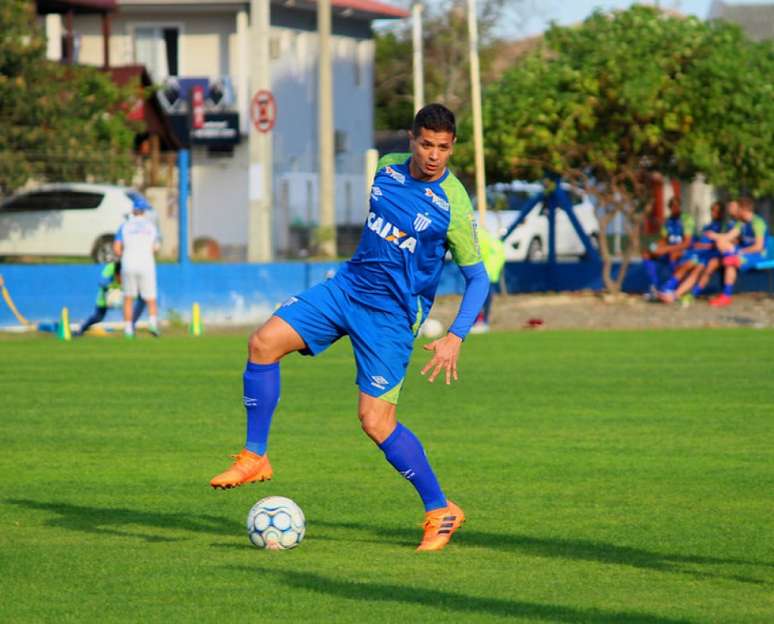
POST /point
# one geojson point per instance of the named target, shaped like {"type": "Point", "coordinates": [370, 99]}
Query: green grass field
{"type": "Point", "coordinates": [616, 477]}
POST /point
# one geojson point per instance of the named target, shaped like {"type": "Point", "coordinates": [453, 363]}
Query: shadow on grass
{"type": "Point", "coordinates": [374, 593]}
{"type": "Point", "coordinates": [109, 521]}
{"type": "Point", "coordinates": [581, 550]}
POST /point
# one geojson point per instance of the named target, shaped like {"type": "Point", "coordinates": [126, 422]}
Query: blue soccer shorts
{"type": "Point", "coordinates": [381, 341]}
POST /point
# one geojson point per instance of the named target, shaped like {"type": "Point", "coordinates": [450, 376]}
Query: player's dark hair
{"type": "Point", "coordinates": [721, 209]}
{"type": "Point", "coordinates": [746, 203]}
{"type": "Point", "coordinates": [435, 117]}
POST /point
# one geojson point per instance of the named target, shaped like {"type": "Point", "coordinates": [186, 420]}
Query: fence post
{"type": "Point", "coordinates": [182, 205]}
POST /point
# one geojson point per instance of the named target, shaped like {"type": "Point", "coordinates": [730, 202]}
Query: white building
{"type": "Point", "coordinates": [184, 43]}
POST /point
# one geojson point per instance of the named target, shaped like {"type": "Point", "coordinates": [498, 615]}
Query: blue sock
{"type": "Point", "coordinates": [671, 284]}
{"type": "Point", "coordinates": [728, 290]}
{"type": "Point", "coordinates": [652, 270]}
{"type": "Point", "coordinates": [696, 290]}
{"type": "Point", "coordinates": [404, 451]}
{"type": "Point", "coordinates": [261, 383]}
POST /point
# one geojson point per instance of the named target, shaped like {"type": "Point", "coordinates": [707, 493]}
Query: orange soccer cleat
{"type": "Point", "coordinates": [440, 525]}
{"type": "Point", "coordinates": [247, 468]}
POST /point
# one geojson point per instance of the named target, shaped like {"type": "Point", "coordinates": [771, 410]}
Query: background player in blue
{"type": "Point", "coordinates": [741, 248]}
{"type": "Point", "coordinates": [676, 236]}
{"type": "Point", "coordinates": [702, 259]}
{"type": "Point", "coordinates": [379, 298]}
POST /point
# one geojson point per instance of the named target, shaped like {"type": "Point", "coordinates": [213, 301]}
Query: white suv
{"type": "Point", "coordinates": [64, 220]}
{"type": "Point", "coordinates": [529, 241]}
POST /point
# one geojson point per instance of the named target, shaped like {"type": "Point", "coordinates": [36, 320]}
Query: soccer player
{"type": "Point", "coordinates": [694, 271]}
{"type": "Point", "coordinates": [110, 281]}
{"type": "Point", "coordinates": [741, 248]}
{"type": "Point", "coordinates": [137, 240]}
{"type": "Point", "coordinates": [493, 254]}
{"type": "Point", "coordinates": [676, 237]}
{"type": "Point", "coordinates": [379, 298]}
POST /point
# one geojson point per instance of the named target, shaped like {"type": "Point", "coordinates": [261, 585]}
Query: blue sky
{"type": "Point", "coordinates": [571, 11]}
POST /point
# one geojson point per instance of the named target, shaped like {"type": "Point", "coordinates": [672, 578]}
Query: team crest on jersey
{"type": "Point", "coordinates": [422, 222]}
{"type": "Point", "coordinates": [392, 234]}
{"type": "Point", "coordinates": [376, 193]}
{"type": "Point", "coordinates": [438, 201]}
{"type": "Point", "coordinates": [395, 175]}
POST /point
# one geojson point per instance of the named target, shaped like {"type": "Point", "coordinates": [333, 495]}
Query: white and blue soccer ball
{"type": "Point", "coordinates": [276, 523]}
{"type": "Point", "coordinates": [431, 328]}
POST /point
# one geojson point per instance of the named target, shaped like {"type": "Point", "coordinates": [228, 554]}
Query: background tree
{"type": "Point", "coordinates": [445, 48]}
{"type": "Point", "coordinates": [629, 95]}
{"type": "Point", "coordinates": [57, 122]}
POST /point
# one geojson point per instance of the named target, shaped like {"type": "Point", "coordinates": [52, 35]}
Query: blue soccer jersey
{"type": "Point", "coordinates": [676, 229]}
{"type": "Point", "coordinates": [410, 226]}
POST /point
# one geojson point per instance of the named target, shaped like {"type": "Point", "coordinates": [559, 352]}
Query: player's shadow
{"type": "Point", "coordinates": [460, 604]}
{"type": "Point", "coordinates": [120, 522]}
{"type": "Point", "coordinates": [576, 549]}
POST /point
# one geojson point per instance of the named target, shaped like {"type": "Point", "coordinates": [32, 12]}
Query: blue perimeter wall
{"type": "Point", "coordinates": [248, 293]}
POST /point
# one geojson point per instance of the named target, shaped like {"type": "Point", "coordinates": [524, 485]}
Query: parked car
{"type": "Point", "coordinates": [529, 241]}
{"type": "Point", "coordinates": [67, 219]}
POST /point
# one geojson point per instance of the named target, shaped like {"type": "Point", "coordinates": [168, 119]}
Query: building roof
{"type": "Point", "coordinates": [362, 9]}
{"type": "Point", "coordinates": [757, 20]}
{"type": "Point", "coordinates": [78, 6]}
{"type": "Point", "coordinates": [376, 9]}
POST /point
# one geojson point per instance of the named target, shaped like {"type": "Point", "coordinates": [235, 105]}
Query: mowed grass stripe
{"type": "Point", "coordinates": [607, 477]}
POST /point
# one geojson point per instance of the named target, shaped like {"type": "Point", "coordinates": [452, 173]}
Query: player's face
{"type": "Point", "coordinates": [430, 152]}
{"type": "Point", "coordinates": [733, 209]}
{"type": "Point", "coordinates": [674, 208]}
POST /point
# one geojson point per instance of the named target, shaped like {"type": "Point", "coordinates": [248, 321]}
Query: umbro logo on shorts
{"type": "Point", "coordinates": [379, 382]}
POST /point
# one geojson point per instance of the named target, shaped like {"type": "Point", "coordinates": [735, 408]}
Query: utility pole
{"type": "Point", "coordinates": [419, 72]}
{"type": "Point", "coordinates": [260, 173]}
{"type": "Point", "coordinates": [475, 92]}
{"type": "Point", "coordinates": [327, 155]}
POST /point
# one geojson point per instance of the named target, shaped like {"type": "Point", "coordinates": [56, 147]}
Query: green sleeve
{"type": "Point", "coordinates": [109, 270]}
{"type": "Point", "coordinates": [461, 235]}
{"type": "Point", "coordinates": [664, 232]}
{"type": "Point", "coordinates": [689, 226]}
{"type": "Point", "coordinates": [759, 227]}
{"type": "Point", "coordinates": [392, 159]}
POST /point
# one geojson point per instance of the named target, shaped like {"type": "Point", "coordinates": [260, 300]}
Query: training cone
{"type": "Point", "coordinates": [196, 320]}
{"type": "Point", "coordinates": [63, 331]}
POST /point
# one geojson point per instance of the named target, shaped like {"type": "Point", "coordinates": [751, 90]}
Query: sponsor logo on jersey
{"type": "Point", "coordinates": [392, 234]}
{"type": "Point", "coordinates": [379, 382]}
{"type": "Point", "coordinates": [376, 192]}
{"type": "Point", "coordinates": [422, 222]}
{"type": "Point", "coordinates": [289, 302]}
{"type": "Point", "coordinates": [438, 201]}
{"type": "Point", "coordinates": [395, 175]}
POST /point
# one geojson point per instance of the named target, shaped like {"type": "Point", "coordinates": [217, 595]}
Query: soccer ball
{"type": "Point", "coordinates": [431, 328]}
{"type": "Point", "coordinates": [276, 523]}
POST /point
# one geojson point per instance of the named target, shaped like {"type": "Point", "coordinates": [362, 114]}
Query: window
{"type": "Point", "coordinates": [53, 200]}
{"type": "Point", "coordinates": [156, 47]}
{"type": "Point", "coordinates": [41, 200]}
{"type": "Point", "coordinates": [80, 200]}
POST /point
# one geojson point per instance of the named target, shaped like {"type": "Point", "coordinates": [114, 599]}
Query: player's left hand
{"type": "Point", "coordinates": [447, 350]}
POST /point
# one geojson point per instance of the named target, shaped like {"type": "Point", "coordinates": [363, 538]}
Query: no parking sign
{"type": "Point", "coordinates": [263, 111]}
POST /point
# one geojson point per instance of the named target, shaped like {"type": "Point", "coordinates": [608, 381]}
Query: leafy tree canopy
{"type": "Point", "coordinates": [57, 122]}
{"type": "Point", "coordinates": [629, 94]}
